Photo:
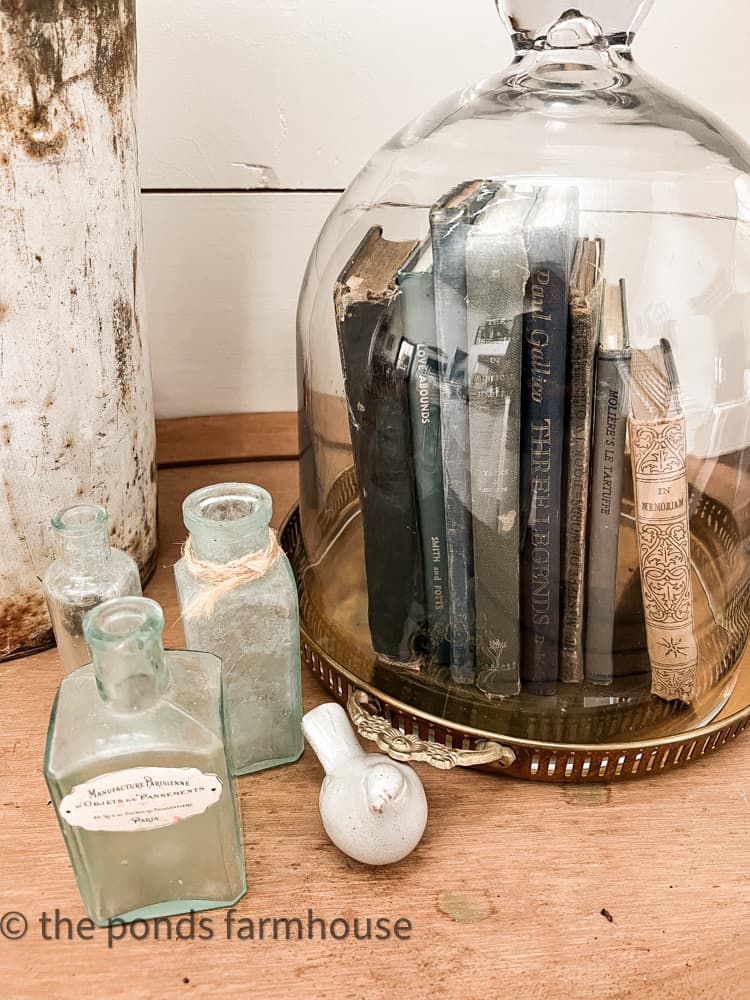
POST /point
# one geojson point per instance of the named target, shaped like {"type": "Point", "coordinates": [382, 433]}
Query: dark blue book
{"type": "Point", "coordinates": [551, 234]}
{"type": "Point", "coordinates": [417, 308]}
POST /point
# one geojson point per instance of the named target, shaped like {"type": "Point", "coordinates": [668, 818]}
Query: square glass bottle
{"type": "Point", "coordinates": [238, 600]}
{"type": "Point", "coordinates": [138, 772]}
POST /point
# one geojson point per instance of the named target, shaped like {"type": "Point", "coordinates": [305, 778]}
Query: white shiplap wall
{"type": "Point", "coordinates": [307, 90]}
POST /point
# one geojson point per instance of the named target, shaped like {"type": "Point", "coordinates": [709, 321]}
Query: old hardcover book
{"type": "Point", "coordinates": [496, 275]}
{"type": "Point", "coordinates": [586, 294]}
{"type": "Point", "coordinates": [417, 305]}
{"type": "Point", "coordinates": [375, 363]}
{"type": "Point", "coordinates": [611, 408]}
{"type": "Point", "coordinates": [552, 231]}
{"type": "Point", "coordinates": [659, 454]}
{"type": "Point", "coordinates": [450, 219]}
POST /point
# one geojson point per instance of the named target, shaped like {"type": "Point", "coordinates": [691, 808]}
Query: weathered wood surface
{"type": "Point", "coordinates": [505, 893]}
{"type": "Point", "coordinates": [76, 413]}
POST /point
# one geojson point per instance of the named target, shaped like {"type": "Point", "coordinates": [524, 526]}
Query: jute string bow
{"type": "Point", "coordinates": [224, 577]}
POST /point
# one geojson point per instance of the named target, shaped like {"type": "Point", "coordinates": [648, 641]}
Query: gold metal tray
{"type": "Point", "coordinates": [408, 733]}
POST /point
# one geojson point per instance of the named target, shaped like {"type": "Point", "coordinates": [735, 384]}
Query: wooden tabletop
{"type": "Point", "coordinates": [518, 890]}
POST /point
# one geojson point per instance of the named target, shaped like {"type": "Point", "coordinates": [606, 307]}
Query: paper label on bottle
{"type": "Point", "coordinates": [140, 798]}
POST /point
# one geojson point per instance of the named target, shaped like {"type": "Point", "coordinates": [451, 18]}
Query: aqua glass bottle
{"type": "Point", "coordinates": [252, 624]}
{"type": "Point", "coordinates": [138, 772]}
{"type": "Point", "coordinates": [86, 572]}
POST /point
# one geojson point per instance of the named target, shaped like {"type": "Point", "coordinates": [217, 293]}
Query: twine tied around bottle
{"type": "Point", "coordinates": [222, 578]}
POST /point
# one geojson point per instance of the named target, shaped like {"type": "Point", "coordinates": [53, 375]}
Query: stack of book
{"type": "Point", "coordinates": [488, 375]}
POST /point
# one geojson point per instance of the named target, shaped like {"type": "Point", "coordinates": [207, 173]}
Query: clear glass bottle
{"type": "Point", "coordinates": [665, 187]}
{"type": "Point", "coordinates": [138, 772]}
{"type": "Point", "coordinates": [253, 627]}
{"type": "Point", "coordinates": [86, 572]}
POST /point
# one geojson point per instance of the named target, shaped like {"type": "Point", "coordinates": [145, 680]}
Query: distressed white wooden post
{"type": "Point", "coordinates": [76, 411]}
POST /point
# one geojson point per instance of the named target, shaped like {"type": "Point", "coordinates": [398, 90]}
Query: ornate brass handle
{"type": "Point", "coordinates": [411, 748]}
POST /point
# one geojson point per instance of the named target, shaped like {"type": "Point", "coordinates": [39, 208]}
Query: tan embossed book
{"type": "Point", "coordinates": [658, 451]}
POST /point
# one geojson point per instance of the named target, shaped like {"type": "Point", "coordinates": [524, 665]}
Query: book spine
{"type": "Point", "coordinates": [611, 405]}
{"type": "Point", "coordinates": [449, 230]}
{"type": "Point", "coordinates": [354, 352]}
{"type": "Point", "coordinates": [495, 448]}
{"type": "Point", "coordinates": [582, 348]}
{"type": "Point", "coordinates": [543, 419]}
{"type": "Point", "coordinates": [424, 404]}
{"type": "Point", "coordinates": [496, 275]}
{"type": "Point", "coordinates": [382, 447]}
{"type": "Point", "coordinates": [659, 450]}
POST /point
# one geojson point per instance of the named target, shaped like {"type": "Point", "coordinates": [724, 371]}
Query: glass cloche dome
{"type": "Point", "coordinates": [524, 337]}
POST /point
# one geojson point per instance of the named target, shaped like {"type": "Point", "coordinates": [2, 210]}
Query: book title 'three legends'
{"type": "Point", "coordinates": [540, 517]}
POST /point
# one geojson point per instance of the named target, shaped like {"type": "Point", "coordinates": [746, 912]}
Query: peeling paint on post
{"type": "Point", "coordinates": [76, 410]}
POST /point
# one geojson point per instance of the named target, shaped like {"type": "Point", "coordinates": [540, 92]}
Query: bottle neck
{"type": "Point", "coordinates": [81, 539]}
{"type": "Point", "coordinates": [228, 521]}
{"type": "Point", "coordinates": [128, 656]}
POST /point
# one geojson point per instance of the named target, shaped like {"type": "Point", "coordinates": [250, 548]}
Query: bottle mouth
{"type": "Point", "coordinates": [227, 505]}
{"type": "Point", "coordinates": [80, 519]}
{"type": "Point", "coordinates": [122, 619]}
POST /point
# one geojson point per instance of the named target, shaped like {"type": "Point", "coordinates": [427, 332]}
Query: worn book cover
{"type": "Point", "coordinates": [375, 364]}
{"type": "Point", "coordinates": [450, 219]}
{"type": "Point", "coordinates": [586, 295]}
{"type": "Point", "coordinates": [496, 276]}
{"type": "Point", "coordinates": [551, 235]}
{"type": "Point", "coordinates": [611, 409]}
{"type": "Point", "coordinates": [659, 456]}
{"type": "Point", "coordinates": [417, 305]}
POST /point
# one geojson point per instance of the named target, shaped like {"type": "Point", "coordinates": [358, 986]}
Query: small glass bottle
{"type": "Point", "coordinates": [253, 625]}
{"type": "Point", "coordinates": [138, 772]}
{"type": "Point", "coordinates": [86, 572]}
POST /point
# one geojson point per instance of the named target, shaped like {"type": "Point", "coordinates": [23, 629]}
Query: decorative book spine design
{"type": "Point", "coordinates": [611, 406]}
{"type": "Point", "coordinates": [658, 450]}
{"type": "Point", "coordinates": [658, 447]}
{"type": "Point", "coordinates": [375, 366]}
{"type": "Point", "coordinates": [542, 440]}
{"type": "Point", "coordinates": [585, 312]}
{"type": "Point", "coordinates": [449, 222]}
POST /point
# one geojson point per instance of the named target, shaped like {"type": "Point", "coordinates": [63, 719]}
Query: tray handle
{"type": "Point", "coordinates": [409, 749]}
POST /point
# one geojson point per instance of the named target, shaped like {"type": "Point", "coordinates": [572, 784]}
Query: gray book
{"type": "Point", "coordinates": [586, 292]}
{"type": "Point", "coordinates": [611, 408]}
{"type": "Point", "coordinates": [496, 275]}
{"type": "Point", "coordinates": [450, 219]}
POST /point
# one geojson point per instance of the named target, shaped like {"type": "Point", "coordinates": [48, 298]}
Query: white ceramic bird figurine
{"type": "Point", "coordinates": [373, 808]}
